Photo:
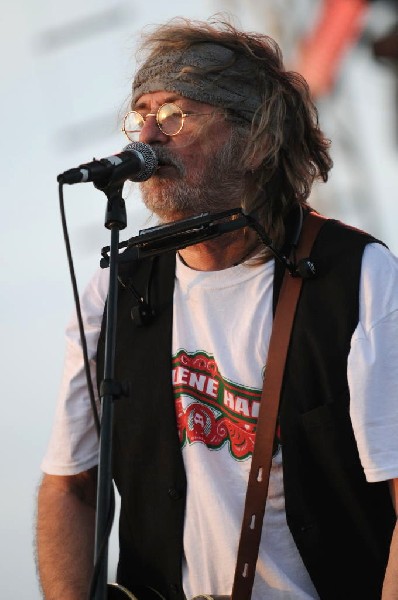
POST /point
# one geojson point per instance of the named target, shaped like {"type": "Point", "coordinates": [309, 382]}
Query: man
{"type": "Point", "coordinates": [232, 128]}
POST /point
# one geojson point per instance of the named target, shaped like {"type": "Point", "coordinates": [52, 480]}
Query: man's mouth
{"type": "Point", "coordinates": [163, 163]}
{"type": "Point", "coordinates": [167, 166]}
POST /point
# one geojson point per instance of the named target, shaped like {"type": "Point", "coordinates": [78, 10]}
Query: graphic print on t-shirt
{"type": "Point", "coordinates": [210, 408]}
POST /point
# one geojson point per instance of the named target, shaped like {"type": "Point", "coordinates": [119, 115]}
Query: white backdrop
{"type": "Point", "coordinates": [66, 70]}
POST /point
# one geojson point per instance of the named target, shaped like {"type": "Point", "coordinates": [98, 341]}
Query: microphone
{"type": "Point", "coordinates": [137, 162]}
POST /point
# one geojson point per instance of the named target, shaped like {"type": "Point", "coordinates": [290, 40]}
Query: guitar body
{"type": "Point", "coordinates": [119, 592]}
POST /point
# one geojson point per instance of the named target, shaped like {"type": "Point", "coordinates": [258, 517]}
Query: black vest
{"type": "Point", "coordinates": [341, 524]}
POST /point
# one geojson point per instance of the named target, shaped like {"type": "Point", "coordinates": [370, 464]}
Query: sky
{"type": "Point", "coordinates": [65, 76]}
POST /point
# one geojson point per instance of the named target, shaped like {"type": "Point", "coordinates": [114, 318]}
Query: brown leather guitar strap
{"type": "Point", "coordinates": [257, 488]}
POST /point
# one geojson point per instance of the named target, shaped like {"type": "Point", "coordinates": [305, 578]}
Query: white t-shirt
{"type": "Point", "coordinates": [221, 328]}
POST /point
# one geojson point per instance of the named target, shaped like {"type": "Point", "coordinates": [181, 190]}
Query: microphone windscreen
{"type": "Point", "coordinates": [149, 158]}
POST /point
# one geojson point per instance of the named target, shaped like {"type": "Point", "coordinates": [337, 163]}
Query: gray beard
{"type": "Point", "coordinates": [218, 186]}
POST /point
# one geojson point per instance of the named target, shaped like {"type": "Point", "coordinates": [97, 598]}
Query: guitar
{"type": "Point", "coordinates": [118, 592]}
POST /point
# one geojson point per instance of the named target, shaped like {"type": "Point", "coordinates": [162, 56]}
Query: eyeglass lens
{"type": "Point", "coordinates": [169, 118]}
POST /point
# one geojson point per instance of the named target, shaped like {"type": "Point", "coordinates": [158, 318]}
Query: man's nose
{"type": "Point", "coordinates": [151, 133]}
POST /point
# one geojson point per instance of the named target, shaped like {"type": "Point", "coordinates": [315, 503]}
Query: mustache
{"type": "Point", "coordinates": [166, 158]}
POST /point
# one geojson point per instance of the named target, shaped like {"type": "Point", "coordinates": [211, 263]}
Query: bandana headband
{"type": "Point", "coordinates": [191, 74]}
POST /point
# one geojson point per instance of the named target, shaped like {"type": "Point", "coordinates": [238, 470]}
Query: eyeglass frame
{"type": "Point", "coordinates": [183, 117]}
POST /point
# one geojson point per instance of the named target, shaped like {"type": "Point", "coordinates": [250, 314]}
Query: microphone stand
{"type": "Point", "coordinates": [115, 220]}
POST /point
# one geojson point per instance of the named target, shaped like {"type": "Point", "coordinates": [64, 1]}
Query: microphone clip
{"type": "Point", "coordinates": [142, 314]}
